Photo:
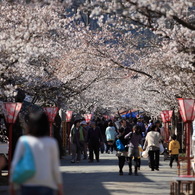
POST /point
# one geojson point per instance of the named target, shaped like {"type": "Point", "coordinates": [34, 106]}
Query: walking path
{"type": "Point", "coordinates": [102, 178]}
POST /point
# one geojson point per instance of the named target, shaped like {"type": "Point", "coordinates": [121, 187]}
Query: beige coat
{"type": "Point", "coordinates": [153, 138]}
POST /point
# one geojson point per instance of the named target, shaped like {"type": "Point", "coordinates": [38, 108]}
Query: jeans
{"type": "Point", "coordinates": [37, 190]}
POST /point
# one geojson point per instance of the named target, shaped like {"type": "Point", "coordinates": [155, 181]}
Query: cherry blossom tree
{"type": "Point", "coordinates": [28, 43]}
{"type": "Point", "coordinates": [168, 62]}
{"type": "Point", "coordinates": [141, 55]}
{"type": "Point", "coordinates": [42, 52]}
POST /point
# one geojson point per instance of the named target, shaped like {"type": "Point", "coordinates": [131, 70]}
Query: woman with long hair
{"type": "Point", "coordinates": [47, 179]}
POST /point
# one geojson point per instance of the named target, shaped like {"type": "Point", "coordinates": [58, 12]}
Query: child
{"type": "Point", "coordinates": [174, 147]}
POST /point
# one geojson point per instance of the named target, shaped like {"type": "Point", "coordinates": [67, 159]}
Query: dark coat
{"type": "Point", "coordinates": [94, 136]}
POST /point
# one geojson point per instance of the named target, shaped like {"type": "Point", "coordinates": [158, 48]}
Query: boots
{"type": "Point", "coordinates": [136, 174]}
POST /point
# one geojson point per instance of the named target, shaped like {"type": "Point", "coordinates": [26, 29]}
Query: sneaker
{"type": "Point", "coordinates": [72, 161]}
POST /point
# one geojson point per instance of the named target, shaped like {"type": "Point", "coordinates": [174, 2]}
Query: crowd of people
{"type": "Point", "coordinates": [129, 138]}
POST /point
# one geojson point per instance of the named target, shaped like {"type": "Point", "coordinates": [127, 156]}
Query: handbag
{"type": "Point", "coordinates": [145, 154]}
{"type": "Point", "coordinates": [161, 148]}
{"type": "Point", "coordinates": [25, 168]}
{"type": "Point", "coordinates": [119, 145]}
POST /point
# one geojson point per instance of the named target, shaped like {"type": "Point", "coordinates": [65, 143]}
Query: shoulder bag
{"type": "Point", "coordinates": [25, 168]}
{"type": "Point", "coordinates": [119, 145]}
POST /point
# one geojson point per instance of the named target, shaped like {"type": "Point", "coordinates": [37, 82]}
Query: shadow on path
{"type": "Point", "coordinates": [93, 183]}
{"type": "Point", "coordinates": [95, 178]}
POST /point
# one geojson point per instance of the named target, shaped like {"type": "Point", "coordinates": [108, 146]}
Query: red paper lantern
{"type": "Point", "coordinates": [166, 115]}
{"type": "Point", "coordinates": [163, 118]}
{"type": "Point", "coordinates": [187, 109]}
{"type": "Point", "coordinates": [88, 117]}
{"type": "Point", "coordinates": [68, 115]}
{"type": "Point", "coordinates": [51, 113]}
{"type": "Point", "coordinates": [11, 111]}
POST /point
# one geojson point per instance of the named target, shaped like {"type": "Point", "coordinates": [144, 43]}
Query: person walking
{"type": "Point", "coordinates": [135, 139]}
{"type": "Point", "coordinates": [158, 125]}
{"type": "Point", "coordinates": [57, 135]}
{"type": "Point", "coordinates": [126, 126]}
{"type": "Point", "coordinates": [174, 147]}
{"type": "Point", "coordinates": [102, 124]}
{"type": "Point", "coordinates": [152, 141]}
{"type": "Point", "coordinates": [151, 122]}
{"type": "Point", "coordinates": [76, 138]}
{"type": "Point", "coordinates": [84, 143]}
{"type": "Point", "coordinates": [47, 179]}
{"type": "Point", "coordinates": [122, 152]}
{"type": "Point", "coordinates": [110, 137]}
{"type": "Point", "coordinates": [140, 122]}
{"type": "Point", "coordinates": [94, 140]}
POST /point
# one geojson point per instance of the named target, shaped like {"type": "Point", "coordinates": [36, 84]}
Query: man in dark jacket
{"type": "Point", "coordinates": [94, 139]}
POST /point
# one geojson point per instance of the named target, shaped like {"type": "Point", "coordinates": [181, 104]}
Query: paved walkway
{"type": "Point", "coordinates": [102, 178]}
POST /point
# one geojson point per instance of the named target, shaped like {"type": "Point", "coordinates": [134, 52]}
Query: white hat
{"type": "Point", "coordinates": [83, 123]}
